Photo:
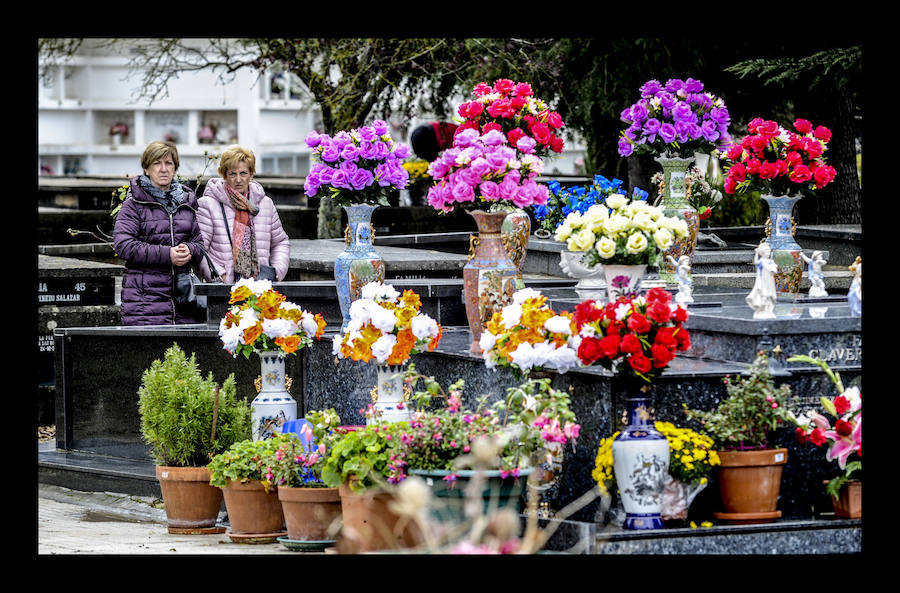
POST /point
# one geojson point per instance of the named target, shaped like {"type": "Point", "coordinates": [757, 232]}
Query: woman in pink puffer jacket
{"type": "Point", "coordinates": [241, 230]}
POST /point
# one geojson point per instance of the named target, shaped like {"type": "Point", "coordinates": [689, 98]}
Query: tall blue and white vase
{"type": "Point", "coordinates": [641, 465]}
{"type": "Point", "coordinates": [780, 236]}
{"type": "Point", "coordinates": [359, 263]}
{"type": "Point", "coordinates": [273, 405]}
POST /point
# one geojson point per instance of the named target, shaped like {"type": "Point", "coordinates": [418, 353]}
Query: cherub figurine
{"type": "Point", "coordinates": [815, 272]}
{"type": "Point", "coordinates": [683, 275]}
{"type": "Point", "coordinates": [854, 296]}
{"type": "Point", "coordinates": [762, 298]}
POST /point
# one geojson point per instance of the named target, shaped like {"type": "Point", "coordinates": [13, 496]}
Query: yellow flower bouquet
{"type": "Point", "coordinates": [387, 326]}
{"type": "Point", "coordinates": [528, 334]}
{"type": "Point", "coordinates": [263, 320]}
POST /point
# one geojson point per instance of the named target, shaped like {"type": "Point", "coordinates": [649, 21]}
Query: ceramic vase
{"type": "Point", "coordinates": [515, 230]}
{"type": "Point", "coordinates": [780, 236]}
{"type": "Point", "coordinates": [490, 277]}
{"type": "Point", "coordinates": [591, 279]}
{"type": "Point", "coordinates": [622, 280]}
{"type": "Point", "coordinates": [389, 396]}
{"type": "Point", "coordinates": [641, 465]}
{"type": "Point", "coordinates": [675, 204]}
{"type": "Point", "coordinates": [273, 405]}
{"type": "Point", "coordinates": [359, 263]}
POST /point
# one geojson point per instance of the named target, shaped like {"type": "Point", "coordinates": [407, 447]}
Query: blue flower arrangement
{"type": "Point", "coordinates": [565, 200]}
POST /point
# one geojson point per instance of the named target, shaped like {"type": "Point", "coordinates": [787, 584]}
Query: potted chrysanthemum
{"type": "Point", "coordinates": [625, 236]}
{"type": "Point", "coordinates": [387, 327]}
{"type": "Point", "coordinates": [262, 321]}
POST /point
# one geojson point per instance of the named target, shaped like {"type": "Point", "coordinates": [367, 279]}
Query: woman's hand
{"type": "Point", "coordinates": [180, 254]}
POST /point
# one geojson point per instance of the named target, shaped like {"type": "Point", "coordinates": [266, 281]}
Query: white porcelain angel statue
{"type": "Point", "coordinates": [683, 276]}
{"type": "Point", "coordinates": [854, 296]}
{"type": "Point", "coordinates": [762, 298]}
{"type": "Point", "coordinates": [815, 272]}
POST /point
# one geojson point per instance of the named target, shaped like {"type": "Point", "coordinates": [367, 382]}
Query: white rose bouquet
{"type": "Point", "coordinates": [621, 231]}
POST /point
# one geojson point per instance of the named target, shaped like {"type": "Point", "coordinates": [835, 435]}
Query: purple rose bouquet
{"type": "Point", "coordinates": [483, 169]}
{"type": "Point", "coordinates": [357, 167]}
{"type": "Point", "coordinates": [676, 118]}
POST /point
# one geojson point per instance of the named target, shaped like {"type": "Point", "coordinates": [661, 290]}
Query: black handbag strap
{"type": "Point", "coordinates": [225, 218]}
{"type": "Point", "coordinates": [215, 275]}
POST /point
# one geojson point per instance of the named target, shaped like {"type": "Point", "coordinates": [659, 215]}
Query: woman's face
{"type": "Point", "coordinates": [161, 172]}
{"type": "Point", "coordinates": [239, 177]}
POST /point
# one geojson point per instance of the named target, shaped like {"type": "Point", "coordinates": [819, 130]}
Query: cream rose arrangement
{"type": "Point", "coordinates": [620, 231]}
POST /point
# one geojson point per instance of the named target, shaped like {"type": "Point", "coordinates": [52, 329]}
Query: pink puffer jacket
{"type": "Point", "coordinates": [272, 243]}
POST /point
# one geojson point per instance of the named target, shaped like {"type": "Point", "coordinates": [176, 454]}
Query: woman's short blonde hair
{"type": "Point", "coordinates": [157, 150]}
{"type": "Point", "coordinates": [232, 156]}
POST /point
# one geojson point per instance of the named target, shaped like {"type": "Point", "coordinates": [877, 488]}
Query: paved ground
{"type": "Point", "coordinates": [72, 522]}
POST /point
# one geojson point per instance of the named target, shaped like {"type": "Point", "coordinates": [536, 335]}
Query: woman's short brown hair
{"type": "Point", "coordinates": [157, 150]}
{"type": "Point", "coordinates": [233, 155]}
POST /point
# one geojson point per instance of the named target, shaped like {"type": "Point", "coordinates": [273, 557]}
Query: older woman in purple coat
{"type": "Point", "coordinates": [157, 235]}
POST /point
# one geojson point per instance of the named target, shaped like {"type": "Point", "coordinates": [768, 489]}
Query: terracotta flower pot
{"type": "Point", "coordinates": [749, 483]}
{"type": "Point", "coordinates": [192, 505]}
{"type": "Point", "coordinates": [252, 510]}
{"type": "Point", "coordinates": [370, 524]}
{"type": "Point", "coordinates": [310, 513]}
{"type": "Point", "coordinates": [848, 504]}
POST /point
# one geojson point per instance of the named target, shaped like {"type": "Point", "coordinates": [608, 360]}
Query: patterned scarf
{"type": "Point", "coordinates": [169, 199]}
{"type": "Point", "coordinates": [243, 239]}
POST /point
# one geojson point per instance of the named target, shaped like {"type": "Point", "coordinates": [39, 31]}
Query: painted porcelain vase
{"type": "Point", "coordinates": [591, 279]}
{"type": "Point", "coordinates": [273, 405]}
{"type": "Point", "coordinates": [359, 263]}
{"type": "Point", "coordinates": [515, 230]}
{"type": "Point", "coordinates": [490, 278]}
{"type": "Point", "coordinates": [623, 280]}
{"type": "Point", "coordinates": [675, 204]}
{"type": "Point", "coordinates": [641, 465]}
{"type": "Point", "coordinates": [389, 395]}
{"type": "Point", "coordinates": [780, 236]}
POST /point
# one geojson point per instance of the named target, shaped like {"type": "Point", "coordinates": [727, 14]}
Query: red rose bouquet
{"type": "Point", "coordinates": [636, 337]}
{"type": "Point", "coordinates": [777, 161]}
{"type": "Point", "coordinates": [511, 107]}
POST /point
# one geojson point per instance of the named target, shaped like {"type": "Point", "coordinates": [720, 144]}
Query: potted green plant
{"type": "Point", "coordinates": [844, 440]}
{"type": "Point", "coordinates": [529, 428]}
{"type": "Point", "coordinates": [362, 465]}
{"type": "Point", "coordinates": [312, 509]}
{"type": "Point", "coordinates": [187, 419]}
{"type": "Point", "coordinates": [749, 474]}
{"type": "Point", "coordinates": [245, 474]}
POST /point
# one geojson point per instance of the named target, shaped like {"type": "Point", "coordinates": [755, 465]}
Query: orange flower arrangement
{"type": "Point", "coordinates": [529, 334]}
{"type": "Point", "coordinates": [263, 320]}
{"type": "Point", "coordinates": [387, 326]}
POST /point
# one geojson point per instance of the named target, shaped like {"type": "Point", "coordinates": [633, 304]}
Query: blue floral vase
{"type": "Point", "coordinates": [675, 204]}
{"type": "Point", "coordinates": [641, 465]}
{"type": "Point", "coordinates": [785, 250]}
{"type": "Point", "coordinates": [359, 263]}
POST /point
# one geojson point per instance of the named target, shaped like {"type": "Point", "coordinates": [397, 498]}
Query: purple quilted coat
{"type": "Point", "coordinates": [143, 234]}
{"type": "Point", "coordinates": [273, 246]}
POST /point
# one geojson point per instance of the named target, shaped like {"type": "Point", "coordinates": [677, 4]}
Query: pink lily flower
{"type": "Point", "coordinates": [844, 446]}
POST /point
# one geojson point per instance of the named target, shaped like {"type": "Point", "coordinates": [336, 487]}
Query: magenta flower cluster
{"type": "Point", "coordinates": [484, 168]}
{"type": "Point", "coordinates": [359, 166]}
{"type": "Point", "coordinates": [675, 117]}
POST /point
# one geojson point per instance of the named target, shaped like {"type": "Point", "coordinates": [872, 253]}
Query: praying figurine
{"type": "Point", "coordinates": [762, 298]}
{"type": "Point", "coordinates": [815, 272]}
{"type": "Point", "coordinates": [683, 275]}
{"type": "Point", "coordinates": [854, 296]}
